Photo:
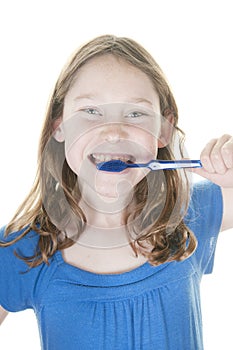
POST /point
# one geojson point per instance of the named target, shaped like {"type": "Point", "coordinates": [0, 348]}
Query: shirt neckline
{"type": "Point", "coordinates": [76, 274]}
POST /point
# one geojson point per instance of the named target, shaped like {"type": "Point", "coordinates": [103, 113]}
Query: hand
{"type": "Point", "coordinates": [217, 161]}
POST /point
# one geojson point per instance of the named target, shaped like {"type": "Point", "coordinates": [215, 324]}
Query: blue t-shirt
{"type": "Point", "coordinates": [144, 309]}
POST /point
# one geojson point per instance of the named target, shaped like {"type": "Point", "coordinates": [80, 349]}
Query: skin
{"type": "Point", "coordinates": [3, 314]}
{"type": "Point", "coordinates": [92, 122]}
{"type": "Point", "coordinates": [114, 109]}
{"type": "Point", "coordinates": [111, 108]}
{"type": "Point", "coordinates": [103, 81]}
{"type": "Point", "coordinates": [108, 75]}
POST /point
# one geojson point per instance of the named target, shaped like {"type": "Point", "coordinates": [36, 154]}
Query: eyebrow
{"type": "Point", "coordinates": [132, 100]}
{"type": "Point", "coordinates": [84, 97]}
{"type": "Point", "coordinates": [140, 99]}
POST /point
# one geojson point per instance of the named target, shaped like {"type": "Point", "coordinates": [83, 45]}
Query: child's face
{"type": "Point", "coordinates": [111, 111]}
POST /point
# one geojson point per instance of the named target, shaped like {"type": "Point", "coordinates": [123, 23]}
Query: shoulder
{"type": "Point", "coordinates": [205, 210]}
{"type": "Point", "coordinates": [26, 245]}
{"type": "Point", "coordinates": [205, 190]}
{"type": "Point", "coordinates": [205, 194]}
{"type": "Point", "coordinates": [15, 244]}
{"type": "Point", "coordinates": [204, 219]}
{"type": "Point", "coordinates": [21, 285]}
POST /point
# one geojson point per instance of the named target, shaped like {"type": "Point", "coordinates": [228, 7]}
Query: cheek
{"type": "Point", "coordinates": [148, 136]}
{"type": "Point", "coordinates": [148, 142]}
{"type": "Point", "coordinates": [152, 145]}
{"type": "Point", "coordinates": [73, 159]}
{"type": "Point", "coordinates": [75, 154]}
{"type": "Point", "coordinates": [78, 137]}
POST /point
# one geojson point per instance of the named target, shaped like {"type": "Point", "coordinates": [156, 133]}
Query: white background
{"type": "Point", "coordinates": [191, 40]}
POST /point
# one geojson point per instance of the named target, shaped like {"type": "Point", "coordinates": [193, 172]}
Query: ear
{"type": "Point", "coordinates": [58, 132]}
{"type": "Point", "coordinates": [167, 128]}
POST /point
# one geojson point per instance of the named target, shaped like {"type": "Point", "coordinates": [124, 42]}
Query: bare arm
{"type": "Point", "coordinates": [3, 314]}
{"type": "Point", "coordinates": [227, 222]}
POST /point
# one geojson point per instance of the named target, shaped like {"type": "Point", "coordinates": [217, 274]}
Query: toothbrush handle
{"type": "Point", "coordinates": [174, 164]}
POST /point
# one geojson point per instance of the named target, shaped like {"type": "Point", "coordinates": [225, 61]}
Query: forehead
{"type": "Point", "coordinates": [110, 79]}
{"type": "Point", "coordinates": [107, 64]}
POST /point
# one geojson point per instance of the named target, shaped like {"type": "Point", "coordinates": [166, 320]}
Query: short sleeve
{"type": "Point", "coordinates": [17, 281]}
{"type": "Point", "coordinates": [204, 219]}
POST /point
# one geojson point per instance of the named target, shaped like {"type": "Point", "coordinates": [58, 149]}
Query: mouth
{"type": "Point", "coordinates": [96, 158]}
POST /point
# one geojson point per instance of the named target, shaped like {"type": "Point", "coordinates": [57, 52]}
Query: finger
{"type": "Point", "coordinates": [217, 157]}
{"type": "Point", "coordinates": [227, 152]}
{"type": "Point", "coordinates": [205, 156]}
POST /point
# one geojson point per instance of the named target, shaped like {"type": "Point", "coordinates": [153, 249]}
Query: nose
{"type": "Point", "coordinates": [113, 133]}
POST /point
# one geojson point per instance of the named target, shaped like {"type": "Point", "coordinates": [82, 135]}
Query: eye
{"type": "Point", "coordinates": [92, 111]}
{"type": "Point", "coordinates": [135, 114]}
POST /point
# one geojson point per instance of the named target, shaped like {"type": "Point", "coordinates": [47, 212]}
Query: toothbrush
{"type": "Point", "coordinates": [117, 165]}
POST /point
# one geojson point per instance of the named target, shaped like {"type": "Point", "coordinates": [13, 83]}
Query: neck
{"type": "Point", "coordinates": [105, 226]}
{"type": "Point", "coordinates": [103, 230]}
{"type": "Point", "coordinates": [103, 210]}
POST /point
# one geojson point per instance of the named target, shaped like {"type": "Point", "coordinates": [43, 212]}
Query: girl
{"type": "Point", "coordinates": [113, 260]}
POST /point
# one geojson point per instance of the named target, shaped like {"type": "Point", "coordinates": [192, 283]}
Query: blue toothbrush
{"type": "Point", "coordinates": [117, 165]}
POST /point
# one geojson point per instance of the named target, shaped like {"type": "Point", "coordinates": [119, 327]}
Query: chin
{"type": "Point", "coordinates": [107, 196]}
{"type": "Point", "coordinates": [120, 190]}
{"type": "Point", "coordinates": [107, 190]}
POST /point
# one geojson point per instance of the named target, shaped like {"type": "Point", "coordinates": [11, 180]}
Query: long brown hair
{"type": "Point", "coordinates": [160, 201]}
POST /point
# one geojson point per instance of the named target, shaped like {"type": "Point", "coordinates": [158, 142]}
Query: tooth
{"type": "Point", "coordinates": [95, 156]}
{"type": "Point", "coordinates": [107, 158]}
